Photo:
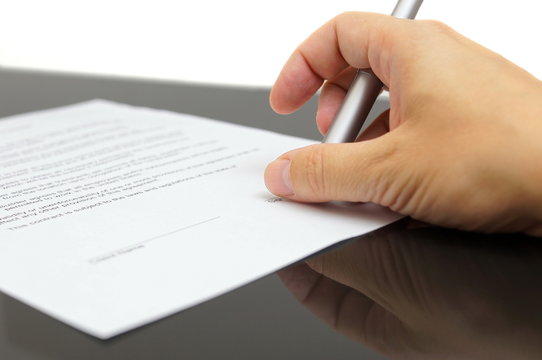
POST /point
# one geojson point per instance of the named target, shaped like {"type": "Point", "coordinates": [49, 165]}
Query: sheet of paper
{"type": "Point", "coordinates": [113, 216]}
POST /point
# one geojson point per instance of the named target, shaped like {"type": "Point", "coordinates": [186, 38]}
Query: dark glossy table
{"type": "Point", "coordinates": [260, 320]}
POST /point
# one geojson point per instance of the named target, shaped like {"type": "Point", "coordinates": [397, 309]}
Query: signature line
{"type": "Point", "coordinates": [141, 244]}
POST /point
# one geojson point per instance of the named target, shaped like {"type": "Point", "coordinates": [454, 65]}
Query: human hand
{"type": "Point", "coordinates": [460, 146]}
{"type": "Point", "coordinates": [429, 293]}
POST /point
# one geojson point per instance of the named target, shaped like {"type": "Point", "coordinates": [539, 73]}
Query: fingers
{"type": "Point", "coordinates": [331, 98]}
{"type": "Point", "coordinates": [319, 294]}
{"type": "Point", "coordinates": [349, 311]}
{"type": "Point", "coordinates": [338, 305]}
{"type": "Point", "coordinates": [358, 40]}
{"type": "Point", "coordinates": [366, 171]}
{"type": "Point", "coordinates": [379, 127]}
{"type": "Point", "coordinates": [364, 265]}
{"type": "Point", "coordinates": [295, 85]}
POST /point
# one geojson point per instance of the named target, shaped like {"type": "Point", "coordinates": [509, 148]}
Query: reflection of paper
{"type": "Point", "coordinates": [113, 216]}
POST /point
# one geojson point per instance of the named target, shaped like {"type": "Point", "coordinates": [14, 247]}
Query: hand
{"type": "Point", "coordinates": [430, 293]}
{"type": "Point", "coordinates": [460, 146]}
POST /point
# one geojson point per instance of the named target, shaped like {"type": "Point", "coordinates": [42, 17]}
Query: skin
{"type": "Point", "coordinates": [460, 147]}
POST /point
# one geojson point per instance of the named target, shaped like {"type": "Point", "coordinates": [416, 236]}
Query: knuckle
{"type": "Point", "coordinates": [436, 26]}
{"type": "Point", "coordinates": [346, 15]}
{"type": "Point", "coordinates": [316, 264]}
{"type": "Point", "coordinates": [314, 172]}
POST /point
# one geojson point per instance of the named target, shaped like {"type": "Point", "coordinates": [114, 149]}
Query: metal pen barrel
{"type": "Point", "coordinates": [406, 9]}
{"type": "Point", "coordinates": [363, 91]}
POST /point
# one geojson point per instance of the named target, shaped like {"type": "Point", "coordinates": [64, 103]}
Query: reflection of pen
{"type": "Point", "coordinates": [363, 91]}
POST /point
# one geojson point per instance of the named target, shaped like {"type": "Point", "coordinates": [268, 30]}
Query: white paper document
{"type": "Point", "coordinates": [113, 216]}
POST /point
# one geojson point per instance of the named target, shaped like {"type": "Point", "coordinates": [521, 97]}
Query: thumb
{"type": "Point", "coordinates": [363, 171]}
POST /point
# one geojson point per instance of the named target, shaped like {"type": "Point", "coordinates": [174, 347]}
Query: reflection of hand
{"type": "Point", "coordinates": [460, 147]}
{"type": "Point", "coordinates": [430, 294]}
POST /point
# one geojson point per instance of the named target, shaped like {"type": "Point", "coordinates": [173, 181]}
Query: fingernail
{"type": "Point", "coordinates": [277, 178]}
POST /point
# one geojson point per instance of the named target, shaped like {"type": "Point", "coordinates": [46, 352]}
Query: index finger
{"type": "Point", "coordinates": [360, 40]}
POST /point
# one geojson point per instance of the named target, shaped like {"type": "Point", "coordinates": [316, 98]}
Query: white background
{"type": "Point", "coordinates": [228, 42]}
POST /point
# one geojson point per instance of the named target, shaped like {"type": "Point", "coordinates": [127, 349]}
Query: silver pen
{"type": "Point", "coordinates": [363, 91]}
